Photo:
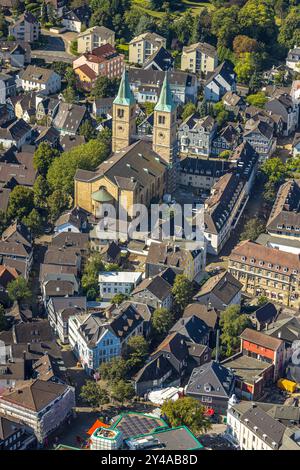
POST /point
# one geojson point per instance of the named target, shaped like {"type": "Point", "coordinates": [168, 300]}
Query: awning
{"type": "Point", "coordinates": [97, 424]}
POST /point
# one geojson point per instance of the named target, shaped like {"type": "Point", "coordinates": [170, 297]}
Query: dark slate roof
{"type": "Point", "coordinates": [175, 344]}
{"type": "Point", "coordinates": [155, 369]}
{"type": "Point", "coordinates": [192, 328]}
{"type": "Point", "coordinates": [33, 332]}
{"type": "Point", "coordinates": [214, 168]}
{"type": "Point", "coordinates": [162, 58]}
{"type": "Point", "coordinates": [225, 69]}
{"type": "Point", "coordinates": [266, 313]}
{"type": "Point", "coordinates": [8, 427]}
{"type": "Point", "coordinates": [15, 131]}
{"type": "Point", "coordinates": [224, 286]}
{"type": "Point", "coordinates": [126, 322]}
{"type": "Point", "coordinates": [82, 14]}
{"type": "Point", "coordinates": [156, 285]}
{"type": "Point", "coordinates": [218, 379]}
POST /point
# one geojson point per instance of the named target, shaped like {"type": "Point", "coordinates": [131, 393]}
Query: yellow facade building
{"type": "Point", "coordinates": [136, 172]}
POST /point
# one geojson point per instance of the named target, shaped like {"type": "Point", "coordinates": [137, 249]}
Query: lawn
{"type": "Point", "coordinates": [193, 5]}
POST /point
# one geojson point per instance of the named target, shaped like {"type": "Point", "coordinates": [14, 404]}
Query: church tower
{"type": "Point", "coordinates": [124, 126]}
{"type": "Point", "coordinates": [165, 131]}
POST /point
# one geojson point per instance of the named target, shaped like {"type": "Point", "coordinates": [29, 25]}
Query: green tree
{"type": "Point", "coordinates": [122, 391]}
{"type": "Point", "coordinates": [20, 202]}
{"type": "Point", "coordinates": [162, 320]}
{"type": "Point", "coordinates": [242, 44]}
{"type": "Point", "coordinates": [257, 19]}
{"type": "Point", "coordinates": [91, 271]}
{"type": "Point", "coordinates": [245, 67]}
{"type": "Point", "coordinates": [105, 87]}
{"type": "Point", "coordinates": [225, 154]}
{"type": "Point", "coordinates": [189, 108]}
{"type": "Point", "coordinates": [85, 156]}
{"type": "Point", "coordinates": [182, 291]}
{"type": "Point", "coordinates": [92, 394]}
{"type": "Point", "coordinates": [274, 169]}
{"type": "Point", "coordinates": [57, 202]}
{"type": "Point", "coordinates": [262, 300]}
{"type": "Point", "coordinates": [188, 412]}
{"type": "Point", "coordinates": [114, 370]}
{"type": "Point", "coordinates": [34, 222]}
{"type": "Point", "coordinates": [232, 324]}
{"type": "Point", "coordinates": [87, 130]}
{"type": "Point", "coordinates": [119, 298]}
{"type": "Point", "coordinates": [252, 229]}
{"type": "Point", "coordinates": [136, 351]}
{"type": "Point", "coordinates": [18, 290]}
{"type": "Point", "coordinates": [257, 99]}
{"type": "Point", "coordinates": [40, 192]}
{"type": "Point", "coordinates": [43, 157]}
{"type": "Point", "coordinates": [289, 34]}
{"type": "Point", "coordinates": [225, 25]}
{"type": "Point", "coordinates": [69, 95]}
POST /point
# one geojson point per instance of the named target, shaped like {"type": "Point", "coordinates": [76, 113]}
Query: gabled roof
{"type": "Point", "coordinates": [211, 379]}
{"type": "Point", "coordinates": [261, 339]}
{"type": "Point", "coordinates": [206, 314]}
{"type": "Point", "coordinates": [224, 286]}
{"type": "Point", "coordinates": [192, 328]}
{"type": "Point", "coordinates": [175, 344]}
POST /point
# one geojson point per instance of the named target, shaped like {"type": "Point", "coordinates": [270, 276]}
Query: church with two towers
{"type": "Point", "coordinates": [137, 171]}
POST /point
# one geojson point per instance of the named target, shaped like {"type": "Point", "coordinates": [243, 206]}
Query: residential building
{"type": "Point", "coordinates": [14, 435]}
{"type": "Point", "coordinates": [103, 107]}
{"type": "Point", "coordinates": [201, 173]}
{"type": "Point", "coordinates": [74, 220]}
{"type": "Point", "coordinates": [223, 79]}
{"type": "Point", "coordinates": [38, 78]}
{"type": "Point", "coordinates": [117, 282]}
{"type": "Point", "coordinates": [200, 58]}
{"type": "Point", "coordinates": [95, 37]}
{"type": "Point", "coordinates": [161, 60]}
{"type": "Point", "coordinates": [42, 406]}
{"type": "Point", "coordinates": [26, 28]}
{"type": "Point", "coordinates": [61, 308]}
{"type": "Point", "coordinates": [258, 345]}
{"type": "Point", "coordinates": [192, 329]}
{"type": "Point", "coordinates": [143, 46]}
{"type": "Point", "coordinates": [77, 18]}
{"type": "Point", "coordinates": [96, 339]}
{"type": "Point", "coordinates": [17, 167]}
{"type": "Point", "coordinates": [165, 367]}
{"type": "Point", "coordinates": [263, 426]}
{"type": "Point", "coordinates": [212, 384]}
{"type": "Point", "coordinates": [233, 102]}
{"type": "Point", "coordinates": [284, 106]}
{"type": "Point", "coordinates": [266, 271]}
{"type": "Point", "coordinates": [293, 59]}
{"type": "Point", "coordinates": [68, 118]}
{"type": "Point", "coordinates": [146, 85]}
{"type": "Point", "coordinates": [227, 138]}
{"type": "Point", "coordinates": [220, 291]}
{"type": "Point", "coordinates": [252, 375]}
{"type": "Point", "coordinates": [17, 134]}
{"type": "Point", "coordinates": [264, 316]}
{"type": "Point", "coordinates": [104, 61]}
{"type": "Point", "coordinates": [223, 209]}
{"type": "Point", "coordinates": [195, 135]}
{"type": "Point", "coordinates": [156, 291]}
{"type": "Point", "coordinates": [15, 53]}
{"type": "Point", "coordinates": [174, 255]}
{"type": "Point", "coordinates": [260, 135]}
{"type": "Point", "coordinates": [284, 220]}
{"type": "Point", "coordinates": [7, 87]}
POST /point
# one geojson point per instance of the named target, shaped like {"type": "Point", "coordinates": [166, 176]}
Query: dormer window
{"type": "Point", "coordinates": [243, 258]}
{"type": "Point", "coordinates": [270, 265]}
{"type": "Point", "coordinates": [207, 388]}
{"type": "Point", "coordinates": [252, 260]}
{"type": "Point", "coordinates": [277, 267]}
{"type": "Point", "coordinates": [285, 270]}
{"type": "Point", "coordinates": [261, 263]}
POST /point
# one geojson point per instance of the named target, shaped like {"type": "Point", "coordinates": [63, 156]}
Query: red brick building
{"type": "Point", "coordinates": [104, 61]}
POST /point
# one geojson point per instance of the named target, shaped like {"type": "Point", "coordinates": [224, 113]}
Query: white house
{"type": "Point", "coordinates": [293, 59]}
{"type": "Point", "coordinates": [38, 78]}
{"type": "Point", "coordinates": [114, 282]}
{"type": "Point", "coordinates": [95, 339]}
{"type": "Point", "coordinates": [223, 79]}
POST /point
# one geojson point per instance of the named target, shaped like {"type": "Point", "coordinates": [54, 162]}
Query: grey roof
{"type": "Point", "coordinates": [61, 303]}
{"type": "Point", "coordinates": [37, 74]}
{"type": "Point", "coordinates": [15, 131]}
{"type": "Point", "coordinates": [288, 329]}
{"type": "Point", "coordinates": [69, 117]}
{"type": "Point", "coordinates": [207, 314]}
{"type": "Point", "coordinates": [192, 328]}
{"type": "Point", "coordinates": [8, 427]}
{"type": "Point", "coordinates": [218, 378]}
{"type": "Point", "coordinates": [245, 368]}
{"type": "Point", "coordinates": [224, 286]}
{"type": "Point", "coordinates": [266, 313]}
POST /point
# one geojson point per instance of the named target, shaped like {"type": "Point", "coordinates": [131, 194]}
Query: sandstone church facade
{"type": "Point", "coordinates": [137, 172]}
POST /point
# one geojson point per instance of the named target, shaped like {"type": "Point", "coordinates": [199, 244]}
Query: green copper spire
{"type": "Point", "coordinates": [165, 103]}
{"type": "Point", "coordinates": [124, 96]}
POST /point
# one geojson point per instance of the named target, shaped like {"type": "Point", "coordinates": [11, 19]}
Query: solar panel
{"type": "Point", "coordinates": [133, 425]}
